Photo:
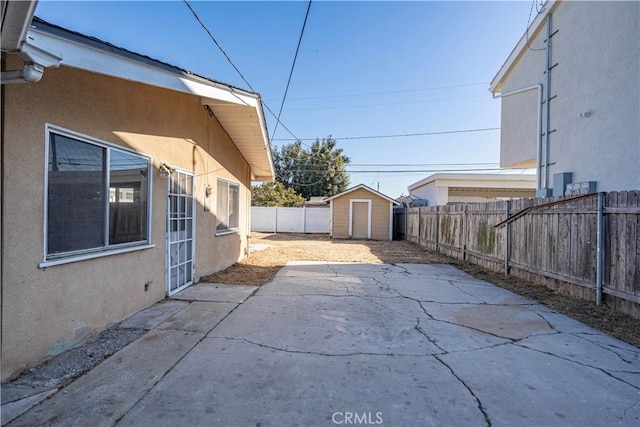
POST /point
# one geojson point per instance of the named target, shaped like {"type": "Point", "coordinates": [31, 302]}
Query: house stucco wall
{"type": "Point", "coordinates": [380, 219]}
{"type": "Point", "coordinates": [47, 310]}
{"type": "Point", "coordinates": [596, 49]}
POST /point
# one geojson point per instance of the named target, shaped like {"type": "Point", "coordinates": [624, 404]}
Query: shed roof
{"type": "Point", "coordinates": [364, 187]}
{"type": "Point", "coordinates": [239, 112]}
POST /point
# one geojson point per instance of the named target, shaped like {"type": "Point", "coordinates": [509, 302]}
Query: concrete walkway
{"type": "Point", "coordinates": [343, 344]}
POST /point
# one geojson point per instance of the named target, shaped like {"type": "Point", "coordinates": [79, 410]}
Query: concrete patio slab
{"type": "Point", "coordinates": [329, 344]}
{"type": "Point", "coordinates": [152, 316]}
{"type": "Point", "coordinates": [215, 292]}
{"type": "Point", "coordinates": [544, 389]}
{"type": "Point", "coordinates": [199, 316]}
{"type": "Point", "coordinates": [275, 388]}
{"type": "Point", "coordinates": [106, 393]}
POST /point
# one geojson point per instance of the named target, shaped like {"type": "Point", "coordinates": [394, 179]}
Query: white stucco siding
{"type": "Point", "coordinates": [596, 49]}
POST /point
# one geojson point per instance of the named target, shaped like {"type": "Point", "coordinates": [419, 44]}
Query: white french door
{"type": "Point", "coordinates": [180, 231]}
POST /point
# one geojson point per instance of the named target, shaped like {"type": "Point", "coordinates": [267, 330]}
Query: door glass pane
{"type": "Point", "coordinates": [173, 278]}
{"type": "Point", "coordinates": [189, 186]}
{"type": "Point", "coordinates": [75, 195]}
{"type": "Point", "coordinates": [188, 271]}
{"type": "Point", "coordinates": [183, 252]}
{"type": "Point", "coordinates": [189, 226]}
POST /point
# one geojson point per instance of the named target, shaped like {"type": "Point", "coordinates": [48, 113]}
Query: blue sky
{"type": "Point", "coordinates": [364, 69]}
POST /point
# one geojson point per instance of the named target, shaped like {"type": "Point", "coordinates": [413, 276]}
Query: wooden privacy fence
{"type": "Point", "coordinates": [568, 244]}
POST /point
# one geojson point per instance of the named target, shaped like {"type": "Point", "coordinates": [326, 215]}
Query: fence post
{"type": "Point", "coordinates": [275, 221]}
{"type": "Point", "coordinates": [507, 239]}
{"type": "Point", "coordinates": [600, 248]}
{"type": "Point", "coordinates": [464, 233]}
{"type": "Point", "coordinates": [437, 229]}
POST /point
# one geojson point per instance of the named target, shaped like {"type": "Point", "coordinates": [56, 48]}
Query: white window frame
{"type": "Point", "coordinates": [233, 229]}
{"type": "Point", "coordinates": [351, 202]}
{"type": "Point", "coordinates": [85, 254]}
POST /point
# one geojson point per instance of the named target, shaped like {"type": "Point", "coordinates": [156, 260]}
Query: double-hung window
{"type": "Point", "coordinates": [97, 197]}
{"type": "Point", "coordinates": [228, 206]}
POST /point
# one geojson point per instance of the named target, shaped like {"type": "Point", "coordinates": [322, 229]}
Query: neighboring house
{"type": "Point", "coordinates": [570, 108]}
{"type": "Point", "coordinates": [444, 188]}
{"type": "Point", "coordinates": [361, 213]}
{"type": "Point", "coordinates": [124, 179]}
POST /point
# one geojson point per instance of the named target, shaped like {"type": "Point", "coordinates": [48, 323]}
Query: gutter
{"type": "Point", "coordinates": [537, 86]}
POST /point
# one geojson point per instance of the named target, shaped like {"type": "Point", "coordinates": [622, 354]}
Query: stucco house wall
{"type": "Point", "coordinates": [595, 60]}
{"type": "Point", "coordinates": [47, 310]}
{"type": "Point", "coordinates": [381, 221]}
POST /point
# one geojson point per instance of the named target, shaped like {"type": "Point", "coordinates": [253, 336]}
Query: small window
{"type": "Point", "coordinates": [228, 206]}
{"type": "Point", "coordinates": [97, 197]}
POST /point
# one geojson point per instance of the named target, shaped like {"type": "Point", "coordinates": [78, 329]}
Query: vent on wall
{"type": "Point", "coordinates": [580, 188]}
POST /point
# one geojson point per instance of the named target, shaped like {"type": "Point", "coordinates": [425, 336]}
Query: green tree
{"type": "Point", "coordinates": [275, 194]}
{"type": "Point", "coordinates": [318, 170]}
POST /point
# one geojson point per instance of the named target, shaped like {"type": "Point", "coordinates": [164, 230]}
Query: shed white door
{"type": "Point", "coordinates": [360, 219]}
{"type": "Point", "coordinates": [180, 231]}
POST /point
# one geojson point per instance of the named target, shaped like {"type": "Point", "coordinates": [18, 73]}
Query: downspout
{"type": "Point", "coordinates": [30, 73]}
{"type": "Point", "coordinates": [537, 86]}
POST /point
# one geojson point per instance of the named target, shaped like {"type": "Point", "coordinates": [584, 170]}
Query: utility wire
{"type": "Point", "coordinates": [218, 44]}
{"type": "Point", "coordinates": [388, 92]}
{"type": "Point", "coordinates": [402, 135]}
{"type": "Point", "coordinates": [386, 104]}
{"type": "Point", "coordinates": [295, 57]}
{"type": "Point", "coordinates": [202, 24]}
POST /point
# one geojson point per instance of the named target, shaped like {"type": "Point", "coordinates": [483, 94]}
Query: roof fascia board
{"type": "Point", "coordinates": [16, 18]}
{"type": "Point", "coordinates": [89, 58]}
{"type": "Point", "coordinates": [521, 47]}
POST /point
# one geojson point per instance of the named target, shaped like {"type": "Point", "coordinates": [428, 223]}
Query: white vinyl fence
{"type": "Point", "coordinates": [290, 220]}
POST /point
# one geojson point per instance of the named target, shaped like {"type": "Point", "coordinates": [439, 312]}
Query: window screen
{"type": "Point", "coordinates": [97, 196]}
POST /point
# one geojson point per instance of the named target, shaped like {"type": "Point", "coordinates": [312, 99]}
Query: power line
{"type": "Point", "coordinates": [218, 44]}
{"type": "Point", "coordinates": [202, 24]}
{"type": "Point", "coordinates": [386, 104]}
{"type": "Point", "coordinates": [389, 92]}
{"type": "Point", "coordinates": [402, 135]}
{"type": "Point", "coordinates": [295, 57]}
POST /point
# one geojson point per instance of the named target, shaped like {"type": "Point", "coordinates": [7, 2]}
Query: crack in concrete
{"type": "Point", "coordinates": [581, 364]}
{"type": "Point", "coordinates": [465, 292]}
{"type": "Point", "coordinates": [424, 333]}
{"type": "Point", "coordinates": [606, 347]}
{"type": "Point", "coordinates": [481, 408]}
{"type": "Point", "coordinates": [317, 353]}
{"type": "Point", "coordinates": [633, 422]}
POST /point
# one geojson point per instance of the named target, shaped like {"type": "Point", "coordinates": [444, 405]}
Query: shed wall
{"type": "Point", "coordinates": [380, 216]}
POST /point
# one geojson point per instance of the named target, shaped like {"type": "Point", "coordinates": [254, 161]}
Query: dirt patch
{"type": "Point", "coordinates": [260, 267]}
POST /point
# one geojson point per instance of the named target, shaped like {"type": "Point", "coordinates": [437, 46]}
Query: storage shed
{"type": "Point", "coordinates": [361, 213]}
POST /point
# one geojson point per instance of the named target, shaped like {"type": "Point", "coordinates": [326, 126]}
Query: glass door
{"type": "Point", "coordinates": [180, 231]}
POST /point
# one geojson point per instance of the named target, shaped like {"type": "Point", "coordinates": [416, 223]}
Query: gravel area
{"type": "Point", "coordinates": [65, 367]}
